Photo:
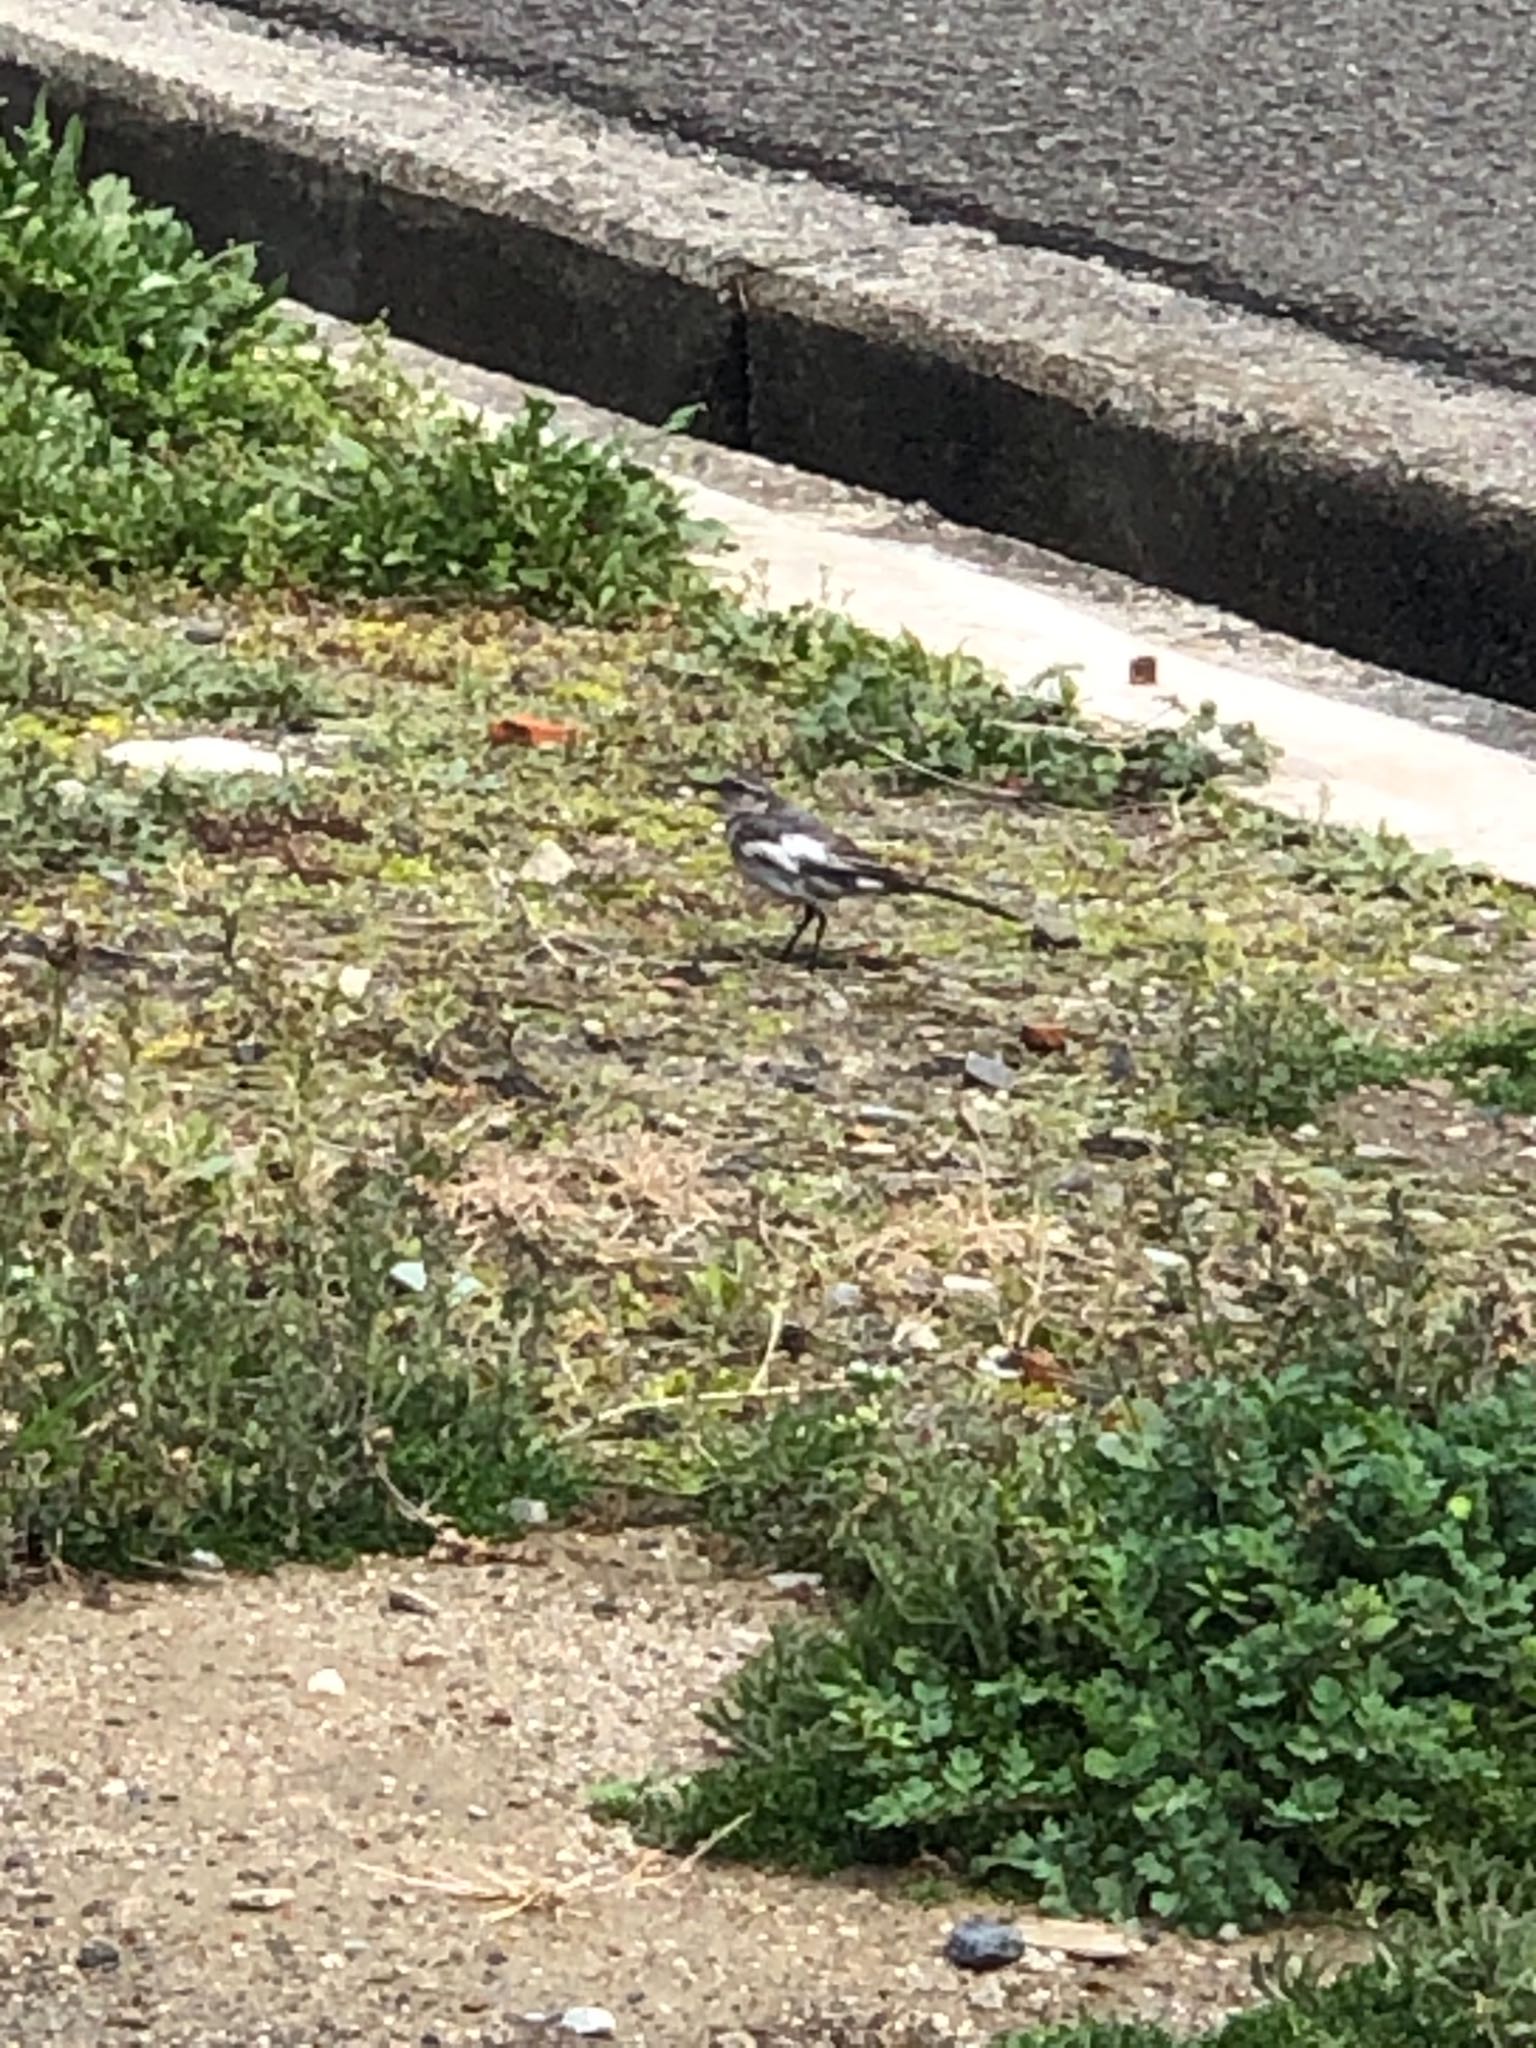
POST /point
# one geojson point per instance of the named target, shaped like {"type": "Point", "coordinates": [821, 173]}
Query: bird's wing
{"type": "Point", "coordinates": [816, 859]}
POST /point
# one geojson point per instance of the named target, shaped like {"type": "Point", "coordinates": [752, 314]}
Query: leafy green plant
{"type": "Point", "coordinates": [890, 702]}
{"type": "Point", "coordinates": [1278, 1058]}
{"type": "Point", "coordinates": [1369, 864]}
{"type": "Point", "coordinates": [158, 413]}
{"type": "Point", "coordinates": [1206, 1657]}
{"type": "Point", "coordinates": [203, 1344]}
{"type": "Point", "coordinates": [1495, 1064]}
{"type": "Point", "coordinates": [103, 820]}
{"type": "Point", "coordinates": [789, 1487]}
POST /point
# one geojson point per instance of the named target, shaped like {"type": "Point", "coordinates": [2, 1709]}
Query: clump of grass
{"type": "Point", "coordinates": [890, 703]}
{"type": "Point", "coordinates": [1276, 1059]}
{"type": "Point", "coordinates": [789, 1488]}
{"type": "Point", "coordinates": [245, 1348]}
{"type": "Point", "coordinates": [159, 414]}
{"type": "Point", "coordinates": [1495, 1064]}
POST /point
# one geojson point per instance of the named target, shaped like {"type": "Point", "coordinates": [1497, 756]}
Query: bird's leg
{"type": "Point", "coordinates": [807, 916]}
{"type": "Point", "coordinates": [821, 932]}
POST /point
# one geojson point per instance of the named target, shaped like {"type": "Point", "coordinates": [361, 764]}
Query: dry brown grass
{"type": "Point", "coordinates": [616, 1194]}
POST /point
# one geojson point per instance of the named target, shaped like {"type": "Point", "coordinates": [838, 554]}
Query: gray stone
{"type": "Point", "coordinates": [987, 1070]}
{"type": "Point", "coordinates": [1053, 932]}
{"type": "Point", "coordinates": [1119, 1144]}
{"type": "Point", "coordinates": [402, 1600]}
{"type": "Point", "coordinates": [982, 1944]}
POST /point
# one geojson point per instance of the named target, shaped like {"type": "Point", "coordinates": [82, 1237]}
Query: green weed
{"type": "Point", "coordinates": [1205, 1657]}
{"type": "Point", "coordinates": [237, 1347]}
{"type": "Point", "coordinates": [1278, 1058]}
{"type": "Point", "coordinates": [1495, 1064]}
{"type": "Point", "coordinates": [890, 703]}
{"type": "Point", "coordinates": [158, 414]}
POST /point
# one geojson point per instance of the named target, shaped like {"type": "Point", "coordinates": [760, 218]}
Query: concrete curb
{"type": "Point", "coordinates": [1380, 509]}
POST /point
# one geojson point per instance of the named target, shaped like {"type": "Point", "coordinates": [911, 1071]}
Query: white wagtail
{"type": "Point", "coordinates": [787, 853]}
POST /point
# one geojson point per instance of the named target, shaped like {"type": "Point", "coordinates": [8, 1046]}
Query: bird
{"type": "Point", "coordinates": [790, 854]}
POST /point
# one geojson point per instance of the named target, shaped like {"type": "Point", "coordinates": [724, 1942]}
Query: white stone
{"type": "Point", "coordinates": [261, 1898]}
{"type": "Point", "coordinates": [594, 2020]}
{"type": "Point", "coordinates": [916, 1336]}
{"type": "Point", "coordinates": [549, 865]}
{"type": "Point", "coordinates": [327, 1682]}
{"type": "Point", "coordinates": [198, 754]}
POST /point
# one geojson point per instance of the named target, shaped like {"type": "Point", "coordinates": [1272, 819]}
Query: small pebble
{"type": "Point", "coordinates": [1053, 933]}
{"type": "Point", "coordinates": [982, 1944]}
{"type": "Point", "coordinates": [1119, 1144]}
{"type": "Point", "coordinates": [549, 865]}
{"type": "Point", "coordinates": [97, 1954]}
{"type": "Point", "coordinates": [593, 2020]}
{"type": "Point", "coordinates": [424, 1653]}
{"type": "Point", "coordinates": [986, 1070]}
{"type": "Point", "coordinates": [844, 1295]}
{"type": "Point", "coordinates": [326, 1681]}
{"type": "Point", "coordinates": [534, 1513]}
{"type": "Point", "coordinates": [975, 1284]}
{"type": "Point", "coordinates": [911, 1335]}
{"type": "Point", "coordinates": [261, 1898]}
{"type": "Point", "coordinates": [204, 1561]}
{"type": "Point", "coordinates": [401, 1600]}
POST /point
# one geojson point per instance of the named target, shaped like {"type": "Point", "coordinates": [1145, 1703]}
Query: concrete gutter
{"type": "Point", "coordinates": [1377, 508]}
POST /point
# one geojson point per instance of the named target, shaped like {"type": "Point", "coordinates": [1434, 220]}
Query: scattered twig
{"type": "Point", "coordinates": [592, 1425]}
{"type": "Point", "coordinates": [987, 792]}
{"type": "Point", "coordinates": [506, 1899]}
{"type": "Point", "coordinates": [776, 1315]}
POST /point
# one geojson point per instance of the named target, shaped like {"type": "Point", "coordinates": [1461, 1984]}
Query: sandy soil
{"type": "Point", "coordinates": [173, 1793]}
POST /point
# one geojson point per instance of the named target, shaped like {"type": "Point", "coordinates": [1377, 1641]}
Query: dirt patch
{"type": "Point", "coordinates": [163, 1758]}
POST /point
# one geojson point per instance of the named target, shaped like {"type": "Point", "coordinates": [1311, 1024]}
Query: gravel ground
{"type": "Point", "coordinates": [198, 1848]}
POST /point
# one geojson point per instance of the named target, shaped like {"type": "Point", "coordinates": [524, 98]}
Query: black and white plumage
{"type": "Point", "coordinates": [790, 854]}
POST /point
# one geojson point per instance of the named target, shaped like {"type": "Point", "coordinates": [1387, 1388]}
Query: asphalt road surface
{"type": "Point", "coordinates": [1366, 165]}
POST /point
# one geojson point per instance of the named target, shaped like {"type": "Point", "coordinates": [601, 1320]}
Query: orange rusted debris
{"type": "Point", "coordinates": [1044, 1038]}
{"type": "Point", "coordinates": [526, 730]}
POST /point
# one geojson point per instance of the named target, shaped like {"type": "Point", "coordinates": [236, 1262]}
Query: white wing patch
{"type": "Point", "coordinates": [805, 850]}
{"type": "Point", "coordinates": [795, 852]}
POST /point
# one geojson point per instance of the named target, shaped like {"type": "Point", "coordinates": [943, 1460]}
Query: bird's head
{"type": "Point", "coordinates": [741, 794]}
